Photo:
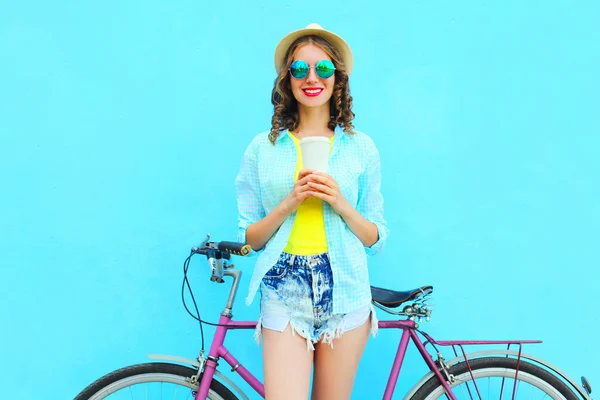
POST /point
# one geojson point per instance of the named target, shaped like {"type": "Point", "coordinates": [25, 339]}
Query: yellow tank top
{"type": "Point", "coordinates": [308, 233]}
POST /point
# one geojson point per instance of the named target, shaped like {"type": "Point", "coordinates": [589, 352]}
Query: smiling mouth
{"type": "Point", "coordinates": [312, 92]}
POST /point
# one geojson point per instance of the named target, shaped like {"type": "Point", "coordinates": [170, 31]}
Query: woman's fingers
{"type": "Point", "coordinates": [323, 179]}
{"type": "Point", "coordinates": [303, 181]}
{"type": "Point", "coordinates": [305, 172]}
{"type": "Point", "coordinates": [317, 184]}
{"type": "Point", "coordinates": [321, 188]}
{"type": "Point", "coordinates": [323, 196]}
{"type": "Point", "coordinates": [301, 192]}
{"type": "Point", "coordinates": [302, 189]}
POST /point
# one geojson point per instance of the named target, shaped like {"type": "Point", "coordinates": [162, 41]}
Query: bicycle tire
{"type": "Point", "coordinates": [151, 373]}
{"type": "Point", "coordinates": [495, 367]}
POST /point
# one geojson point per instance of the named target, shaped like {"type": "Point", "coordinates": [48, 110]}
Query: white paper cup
{"type": "Point", "coordinates": [315, 153]}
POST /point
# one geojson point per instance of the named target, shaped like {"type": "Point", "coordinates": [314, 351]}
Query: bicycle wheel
{"type": "Point", "coordinates": [495, 377]}
{"type": "Point", "coordinates": [151, 381]}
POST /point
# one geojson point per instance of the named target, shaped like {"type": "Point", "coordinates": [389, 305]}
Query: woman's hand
{"type": "Point", "coordinates": [324, 187]}
{"type": "Point", "coordinates": [299, 192]}
{"type": "Point", "coordinates": [259, 233]}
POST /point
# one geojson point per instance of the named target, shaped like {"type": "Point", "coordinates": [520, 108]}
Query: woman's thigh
{"type": "Point", "coordinates": [287, 365]}
{"type": "Point", "coordinates": [336, 366]}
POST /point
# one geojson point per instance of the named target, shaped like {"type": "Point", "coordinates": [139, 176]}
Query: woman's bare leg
{"type": "Point", "coordinates": [335, 368]}
{"type": "Point", "coordinates": [287, 365]}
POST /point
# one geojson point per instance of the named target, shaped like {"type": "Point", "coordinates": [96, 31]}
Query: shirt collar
{"type": "Point", "coordinates": [338, 133]}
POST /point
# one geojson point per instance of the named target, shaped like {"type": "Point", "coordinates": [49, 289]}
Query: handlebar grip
{"type": "Point", "coordinates": [205, 252]}
{"type": "Point", "coordinates": [238, 249]}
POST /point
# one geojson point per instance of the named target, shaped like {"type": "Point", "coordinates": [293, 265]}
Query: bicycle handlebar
{"type": "Point", "coordinates": [222, 249]}
{"type": "Point", "coordinates": [215, 252]}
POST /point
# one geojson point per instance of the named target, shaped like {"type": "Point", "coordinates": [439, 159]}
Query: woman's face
{"type": "Point", "coordinates": [312, 91]}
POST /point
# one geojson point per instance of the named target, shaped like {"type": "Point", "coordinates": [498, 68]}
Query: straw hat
{"type": "Point", "coordinates": [317, 30]}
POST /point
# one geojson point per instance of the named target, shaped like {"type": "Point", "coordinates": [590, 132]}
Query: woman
{"type": "Point", "coordinates": [311, 230]}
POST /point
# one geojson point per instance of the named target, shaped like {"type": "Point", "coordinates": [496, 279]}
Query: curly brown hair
{"type": "Point", "coordinates": [285, 106]}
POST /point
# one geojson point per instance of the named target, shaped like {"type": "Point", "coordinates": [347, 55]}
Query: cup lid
{"type": "Point", "coordinates": [309, 139]}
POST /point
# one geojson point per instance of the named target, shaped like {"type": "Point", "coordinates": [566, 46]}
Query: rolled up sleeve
{"type": "Point", "coordinates": [370, 199]}
{"type": "Point", "coordinates": [247, 187]}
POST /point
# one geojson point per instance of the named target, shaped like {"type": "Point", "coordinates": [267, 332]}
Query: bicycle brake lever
{"type": "Point", "coordinates": [202, 244]}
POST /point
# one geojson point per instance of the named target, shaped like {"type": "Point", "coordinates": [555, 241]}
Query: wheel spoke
{"type": "Point", "coordinates": [469, 390]}
{"type": "Point", "coordinates": [531, 393]}
{"type": "Point", "coordinates": [503, 370]}
{"type": "Point", "coordinates": [155, 380]}
{"type": "Point", "coordinates": [465, 394]}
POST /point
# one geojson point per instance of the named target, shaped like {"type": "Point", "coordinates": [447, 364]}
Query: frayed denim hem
{"type": "Point", "coordinates": [326, 336]}
{"type": "Point", "coordinates": [295, 327]}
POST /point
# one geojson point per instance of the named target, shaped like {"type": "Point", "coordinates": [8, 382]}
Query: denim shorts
{"type": "Point", "coordinates": [297, 291]}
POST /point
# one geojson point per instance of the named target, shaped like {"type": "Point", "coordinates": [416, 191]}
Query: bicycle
{"type": "Point", "coordinates": [463, 376]}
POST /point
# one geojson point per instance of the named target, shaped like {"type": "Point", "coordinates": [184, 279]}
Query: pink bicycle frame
{"type": "Point", "coordinates": [218, 350]}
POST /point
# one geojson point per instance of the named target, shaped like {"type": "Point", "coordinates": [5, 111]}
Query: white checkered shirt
{"type": "Point", "coordinates": [265, 179]}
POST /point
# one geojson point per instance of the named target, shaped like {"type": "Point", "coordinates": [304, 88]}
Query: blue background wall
{"type": "Point", "coordinates": [122, 125]}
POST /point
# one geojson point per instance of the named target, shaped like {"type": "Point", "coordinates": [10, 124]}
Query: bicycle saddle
{"type": "Point", "coordinates": [392, 299]}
